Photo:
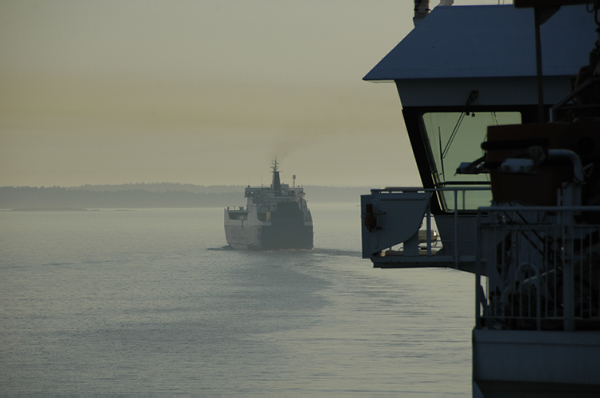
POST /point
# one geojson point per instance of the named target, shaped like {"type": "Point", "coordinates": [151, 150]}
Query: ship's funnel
{"type": "Point", "coordinates": [421, 10]}
{"type": "Point", "coordinates": [276, 184]}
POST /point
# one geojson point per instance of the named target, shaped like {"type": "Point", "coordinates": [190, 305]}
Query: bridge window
{"type": "Point", "coordinates": [455, 138]}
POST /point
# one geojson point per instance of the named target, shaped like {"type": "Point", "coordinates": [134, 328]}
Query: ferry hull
{"type": "Point", "coordinates": [520, 362]}
{"type": "Point", "coordinates": [269, 237]}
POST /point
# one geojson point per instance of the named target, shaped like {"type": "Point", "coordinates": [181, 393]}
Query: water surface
{"type": "Point", "coordinates": [149, 301]}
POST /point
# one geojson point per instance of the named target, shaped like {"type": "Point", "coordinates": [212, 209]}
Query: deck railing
{"type": "Point", "coordinates": [392, 208]}
{"type": "Point", "coordinates": [542, 266]}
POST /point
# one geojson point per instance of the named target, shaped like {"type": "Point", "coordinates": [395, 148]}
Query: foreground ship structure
{"type": "Point", "coordinates": [502, 108]}
{"type": "Point", "coordinates": [275, 217]}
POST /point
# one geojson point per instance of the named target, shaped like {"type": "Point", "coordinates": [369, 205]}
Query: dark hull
{"type": "Point", "coordinates": [269, 238]}
{"type": "Point", "coordinates": [287, 230]}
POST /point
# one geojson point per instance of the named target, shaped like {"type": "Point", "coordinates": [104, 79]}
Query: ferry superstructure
{"type": "Point", "coordinates": [502, 108]}
{"type": "Point", "coordinates": [275, 218]}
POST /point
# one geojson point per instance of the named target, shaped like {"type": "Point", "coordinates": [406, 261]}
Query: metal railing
{"type": "Point", "coordinates": [542, 266]}
{"type": "Point", "coordinates": [454, 238]}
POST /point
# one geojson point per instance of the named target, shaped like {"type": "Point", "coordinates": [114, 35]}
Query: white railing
{"type": "Point", "coordinates": [542, 266]}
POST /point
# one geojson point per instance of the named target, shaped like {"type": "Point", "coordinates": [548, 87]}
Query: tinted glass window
{"type": "Point", "coordinates": [455, 138]}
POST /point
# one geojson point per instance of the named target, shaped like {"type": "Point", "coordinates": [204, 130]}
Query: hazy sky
{"type": "Point", "coordinates": [205, 92]}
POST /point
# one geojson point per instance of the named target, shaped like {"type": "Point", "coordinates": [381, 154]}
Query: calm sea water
{"type": "Point", "coordinates": [149, 301]}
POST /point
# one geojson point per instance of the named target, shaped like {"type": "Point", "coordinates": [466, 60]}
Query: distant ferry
{"type": "Point", "coordinates": [275, 217]}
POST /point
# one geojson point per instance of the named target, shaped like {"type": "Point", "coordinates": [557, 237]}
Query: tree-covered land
{"type": "Point", "coordinates": [162, 195]}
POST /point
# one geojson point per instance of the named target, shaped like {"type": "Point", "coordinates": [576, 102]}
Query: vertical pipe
{"type": "Point", "coordinates": [421, 11]}
{"type": "Point", "coordinates": [538, 59]}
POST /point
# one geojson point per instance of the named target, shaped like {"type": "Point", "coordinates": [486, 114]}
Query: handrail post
{"type": "Point", "coordinates": [456, 228]}
{"type": "Point", "coordinates": [429, 227]}
{"type": "Point", "coordinates": [568, 272]}
{"type": "Point", "coordinates": [478, 272]}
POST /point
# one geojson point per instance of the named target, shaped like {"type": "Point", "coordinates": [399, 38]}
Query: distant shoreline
{"type": "Point", "coordinates": [165, 195]}
{"type": "Point", "coordinates": [48, 209]}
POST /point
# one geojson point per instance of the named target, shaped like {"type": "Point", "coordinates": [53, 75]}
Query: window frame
{"type": "Point", "coordinates": [422, 150]}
